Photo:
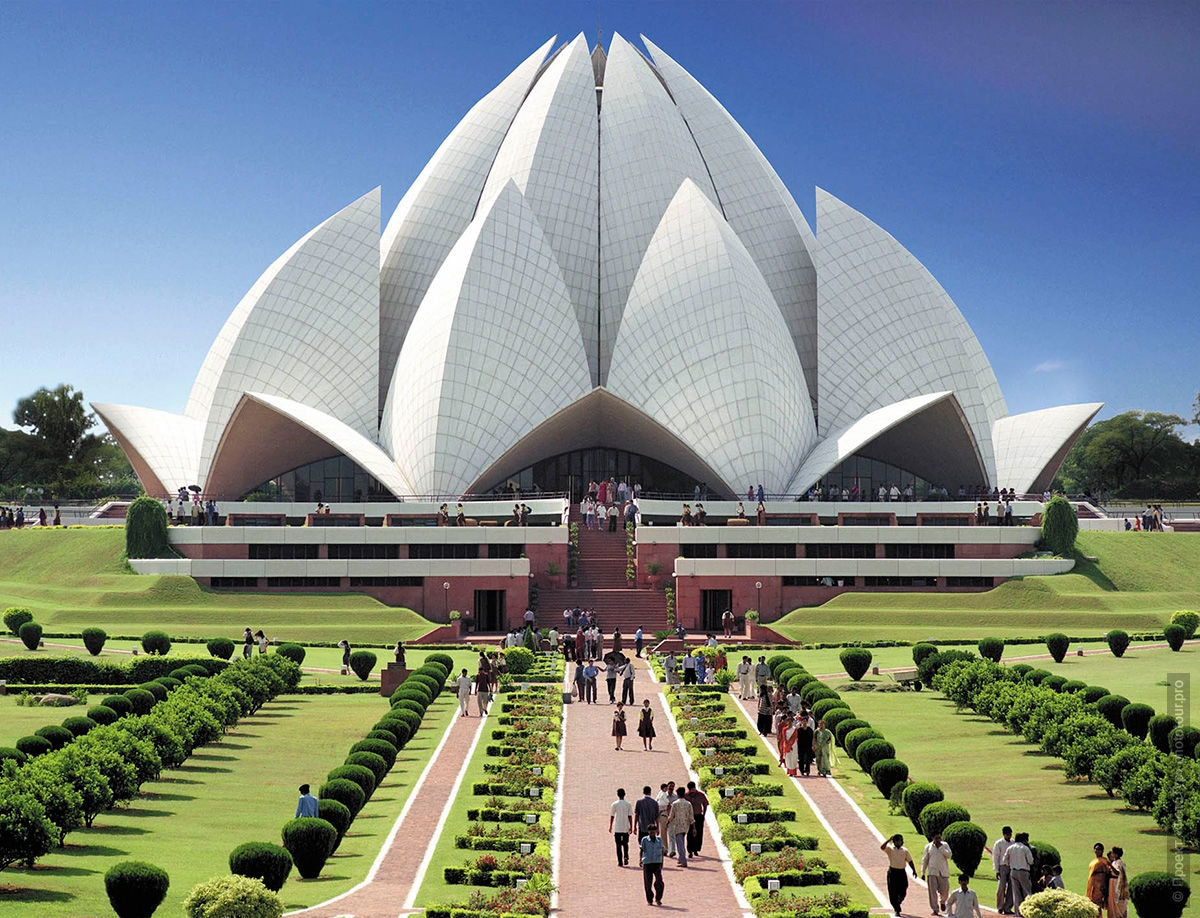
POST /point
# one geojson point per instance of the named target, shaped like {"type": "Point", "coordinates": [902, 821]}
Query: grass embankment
{"type": "Point", "coordinates": [76, 578]}
{"type": "Point", "coordinates": [1136, 582]}
{"type": "Point", "coordinates": [240, 789]}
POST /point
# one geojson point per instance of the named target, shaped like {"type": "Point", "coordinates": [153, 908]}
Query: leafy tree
{"type": "Point", "coordinates": [1135, 454]}
{"type": "Point", "coordinates": [25, 832]}
{"type": "Point", "coordinates": [1060, 526]}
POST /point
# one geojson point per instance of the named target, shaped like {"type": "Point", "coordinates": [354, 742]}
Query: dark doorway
{"type": "Point", "coordinates": [713, 604]}
{"type": "Point", "coordinates": [489, 610]}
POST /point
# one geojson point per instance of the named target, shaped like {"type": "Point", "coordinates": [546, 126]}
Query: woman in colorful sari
{"type": "Point", "coordinates": [823, 748]}
{"type": "Point", "coordinates": [1099, 874]}
{"type": "Point", "coordinates": [789, 734]}
{"type": "Point", "coordinates": [1118, 885]}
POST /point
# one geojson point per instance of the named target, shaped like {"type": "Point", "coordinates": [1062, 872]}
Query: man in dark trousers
{"type": "Point", "coordinates": [699, 802]}
{"type": "Point", "coordinates": [652, 861]}
{"type": "Point", "coordinates": [645, 817]}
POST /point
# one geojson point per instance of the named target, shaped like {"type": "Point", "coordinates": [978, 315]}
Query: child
{"type": "Point", "coordinates": [963, 903]}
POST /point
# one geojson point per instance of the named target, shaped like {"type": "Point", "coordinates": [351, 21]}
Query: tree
{"type": "Point", "coordinates": [1137, 454]}
{"type": "Point", "coordinates": [59, 420]}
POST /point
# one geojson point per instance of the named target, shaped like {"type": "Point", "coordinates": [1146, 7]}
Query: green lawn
{"type": "Point", "coordinates": [1001, 780]}
{"type": "Point", "coordinates": [1137, 581]}
{"type": "Point", "coordinates": [240, 789]}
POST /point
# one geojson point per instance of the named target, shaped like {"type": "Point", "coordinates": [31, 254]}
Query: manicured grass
{"type": "Point", "coordinates": [240, 789]}
{"type": "Point", "coordinates": [16, 722]}
{"type": "Point", "coordinates": [1001, 780]}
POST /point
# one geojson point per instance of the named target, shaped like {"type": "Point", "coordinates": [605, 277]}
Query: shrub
{"type": "Point", "coordinates": [798, 679]}
{"type": "Point", "coordinates": [939, 814]}
{"type": "Point", "coordinates": [1175, 636]}
{"type": "Point", "coordinates": [991, 649]}
{"type": "Point", "coordinates": [836, 716]}
{"type": "Point", "coordinates": [1072, 686]}
{"type": "Point", "coordinates": [887, 773]}
{"type": "Point", "coordinates": [929, 666]}
{"type": "Point", "coordinates": [917, 796]}
{"type": "Point", "coordinates": [359, 775]}
{"type": "Point", "coordinates": [262, 860]}
{"type": "Point", "coordinates": [118, 703]}
{"type": "Point", "coordinates": [1058, 903]}
{"type": "Point", "coordinates": [1060, 526]}
{"type": "Point", "coordinates": [1093, 693]}
{"type": "Point", "coordinates": [168, 683]}
{"type": "Point", "coordinates": [362, 662]}
{"type": "Point", "coordinates": [1111, 771]}
{"type": "Point", "coordinates": [922, 650]}
{"type": "Point", "coordinates": [1159, 730]}
{"type": "Point", "coordinates": [414, 692]}
{"type": "Point", "coordinates": [855, 661]}
{"type": "Point", "coordinates": [1035, 676]}
{"type": "Point", "coordinates": [156, 642]}
{"type": "Point", "coordinates": [135, 889]}
{"type": "Point", "coordinates": [429, 682]}
{"type": "Point", "coordinates": [310, 841]}
{"type": "Point", "coordinates": [856, 737]}
{"type": "Point", "coordinates": [1181, 741]}
{"type": "Point", "coordinates": [30, 634]}
{"type": "Point", "coordinates": [34, 745]}
{"type": "Point", "coordinates": [80, 726]}
{"type": "Point", "coordinates": [1058, 643]}
{"type": "Point", "coordinates": [55, 735]}
{"type": "Point", "coordinates": [871, 751]}
{"type": "Point", "coordinates": [221, 648]}
{"type": "Point", "coordinates": [8, 753]}
{"type": "Point", "coordinates": [1020, 669]}
{"type": "Point", "coordinates": [385, 750]}
{"type": "Point", "coordinates": [519, 659]}
{"type": "Point", "coordinates": [337, 815]}
{"type": "Point", "coordinates": [816, 691]}
{"type": "Point", "coordinates": [1118, 641]}
{"type": "Point", "coordinates": [345, 792]}
{"type": "Point", "coordinates": [15, 617]}
{"type": "Point", "coordinates": [374, 763]}
{"type": "Point", "coordinates": [1044, 854]}
{"type": "Point", "coordinates": [1188, 621]}
{"type": "Point", "coordinates": [141, 700]}
{"type": "Point", "coordinates": [384, 736]}
{"type": "Point", "coordinates": [844, 728]}
{"type": "Point", "coordinates": [1135, 718]}
{"type": "Point", "coordinates": [966, 841]}
{"type": "Point", "coordinates": [146, 529]}
{"type": "Point", "coordinates": [823, 706]}
{"type": "Point", "coordinates": [1158, 894]}
{"type": "Point", "coordinates": [1054, 683]}
{"type": "Point", "coordinates": [1110, 708]}
{"type": "Point", "coordinates": [157, 689]}
{"type": "Point", "coordinates": [232, 897]}
{"type": "Point", "coordinates": [293, 652]}
{"type": "Point", "coordinates": [444, 658]}
{"type": "Point", "coordinates": [25, 832]}
{"type": "Point", "coordinates": [93, 640]}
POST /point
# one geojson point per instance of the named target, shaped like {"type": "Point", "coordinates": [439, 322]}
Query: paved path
{"type": "Point", "coordinates": [401, 864]}
{"type": "Point", "coordinates": [589, 880]}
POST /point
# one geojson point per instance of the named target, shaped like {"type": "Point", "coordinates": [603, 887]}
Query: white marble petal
{"type": "Point", "coordinates": [164, 448]}
{"type": "Point", "coordinates": [1031, 447]}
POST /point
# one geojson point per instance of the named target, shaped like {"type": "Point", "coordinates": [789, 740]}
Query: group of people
{"type": "Point", "coordinates": [16, 519]}
{"type": "Point", "coordinates": [694, 666]}
{"type": "Point", "coordinates": [188, 507]}
{"type": "Point", "coordinates": [599, 515]}
{"type": "Point", "coordinates": [616, 668]}
{"type": "Point", "coordinates": [667, 825]}
{"type": "Point", "coordinates": [1151, 520]}
{"type": "Point", "coordinates": [802, 739]}
{"type": "Point", "coordinates": [484, 684]}
{"type": "Point", "coordinates": [249, 639]}
{"type": "Point", "coordinates": [1003, 517]}
{"type": "Point", "coordinates": [935, 871]}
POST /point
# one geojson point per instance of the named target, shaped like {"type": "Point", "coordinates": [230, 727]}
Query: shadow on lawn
{"type": "Point", "coordinates": [20, 894]}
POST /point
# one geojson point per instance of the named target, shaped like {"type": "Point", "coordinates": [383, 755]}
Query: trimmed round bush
{"type": "Point", "coordinates": [1094, 693]}
{"type": "Point", "coordinates": [1135, 718]}
{"type": "Point", "coordinates": [1058, 903]}
{"type": "Point", "coordinates": [118, 703]}
{"type": "Point", "coordinates": [797, 680]}
{"type": "Point", "coordinates": [1188, 620]}
{"type": "Point", "coordinates": [938, 815]}
{"type": "Point", "coordinates": [921, 650]}
{"type": "Point", "coordinates": [385, 751]}
{"type": "Point", "coordinates": [780, 672]}
{"type": "Point", "coordinates": [871, 751]}
{"type": "Point", "coordinates": [168, 683]}
{"type": "Point", "coordinates": [844, 728]}
{"type": "Point", "coordinates": [396, 728]}
{"type": "Point", "coordinates": [1054, 682]}
{"type": "Point", "coordinates": [444, 658]}
{"type": "Point", "coordinates": [377, 764]}
{"type": "Point", "coordinates": [439, 664]}
{"type": "Point", "coordinates": [232, 897]}
{"type": "Point", "coordinates": [384, 736]}
{"type": "Point", "coordinates": [55, 735]}
{"type": "Point", "coordinates": [928, 667]}
{"type": "Point", "coordinates": [310, 840]}
{"type": "Point", "coordinates": [415, 692]}
{"type": "Point", "coordinates": [1058, 644]}
{"type": "Point", "coordinates": [93, 640]}
{"type": "Point", "coordinates": [1174, 634]}
{"type": "Point", "coordinates": [135, 889]}
{"type": "Point", "coordinates": [358, 774]}
{"type": "Point", "coordinates": [221, 648]}
{"type": "Point", "coordinates": [836, 716]}
{"type": "Point", "coordinates": [966, 841]}
{"type": "Point", "coordinates": [9, 753]}
{"type": "Point", "coordinates": [1181, 741]}
{"type": "Point", "coordinates": [433, 685]}
{"type": "Point", "coordinates": [409, 718]}
{"type": "Point", "coordinates": [30, 634]}
{"type": "Point", "coordinates": [396, 701]}
{"type": "Point", "coordinates": [293, 652]}
{"type": "Point", "coordinates": [519, 660]}
{"type": "Point", "coordinates": [858, 736]}
{"type": "Point", "coordinates": [80, 726]}
{"type": "Point", "coordinates": [991, 649]}
{"type": "Point", "coordinates": [102, 714]}
{"type": "Point", "coordinates": [1044, 854]}
{"type": "Point", "coordinates": [855, 661]}
{"type": "Point", "coordinates": [141, 700]}
{"type": "Point", "coordinates": [1110, 708]}
{"type": "Point", "coordinates": [917, 796]}
{"type": "Point", "coordinates": [194, 669]}
{"type": "Point", "coordinates": [1159, 730]}
{"type": "Point", "coordinates": [262, 860]}
{"type": "Point", "coordinates": [887, 773]}
{"type": "Point", "coordinates": [815, 691]}
{"type": "Point", "coordinates": [346, 792]}
{"type": "Point", "coordinates": [777, 660]}
{"type": "Point", "coordinates": [1118, 641]}
{"type": "Point", "coordinates": [157, 689]}
{"type": "Point", "coordinates": [156, 643]}
{"type": "Point", "coordinates": [15, 617]}
{"type": "Point", "coordinates": [1158, 894]}
{"type": "Point", "coordinates": [822, 706]}
{"type": "Point", "coordinates": [1073, 686]}
{"type": "Point", "coordinates": [1020, 669]}
{"type": "Point", "coordinates": [362, 662]}
{"type": "Point", "coordinates": [34, 745]}
{"type": "Point", "coordinates": [337, 815]}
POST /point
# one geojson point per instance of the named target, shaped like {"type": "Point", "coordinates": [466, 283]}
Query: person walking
{"type": "Point", "coordinates": [646, 726]}
{"type": "Point", "coordinates": [463, 684]}
{"type": "Point", "coordinates": [766, 710]}
{"type": "Point", "coordinates": [669, 668]}
{"type": "Point", "coordinates": [307, 805]}
{"type": "Point", "coordinates": [679, 823]}
{"type": "Point", "coordinates": [344, 644]}
{"type": "Point", "coordinates": [897, 879]}
{"type": "Point", "coordinates": [1000, 866]}
{"type": "Point", "coordinates": [689, 669]}
{"type": "Point", "coordinates": [805, 733]}
{"type": "Point", "coordinates": [699, 801]}
{"type": "Point", "coordinates": [248, 648]}
{"type": "Point", "coordinates": [652, 862]}
{"type": "Point", "coordinates": [762, 673]}
{"type": "Point", "coordinates": [935, 871]}
{"type": "Point", "coordinates": [1099, 875]}
{"type": "Point", "coordinates": [620, 824]}
{"type": "Point", "coordinates": [666, 796]}
{"type": "Point", "coordinates": [638, 638]}
{"type": "Point", "coordinates": [786, 739]}
{"type": "Point", "coordinates": [618, 724]}
{"type": "Point", "coordinates": [590, 672]}
{"type": "Point", "coordinates": [745, 678]}
{"type": "Point", "coordinates": [626, 672]}
{"type": "Point", "coordinates": [610, 679]}
{"type": "Point", "coordinates": [645, 816]}
{"type": "Point", "coordinates": [823, 749]}
{"type": "Point", "coordinates": [727, 622]}
{"type": "Point", "coordinates": [963, 903]}
{"type": "Point", "coordinates": [1118, 887]}
{"type": "Point", "coordinates": [483, 688]}
{"type": "Point", "coordinates": [1019, 859]}
{"type": "Point", "coordinates": [580, 679]}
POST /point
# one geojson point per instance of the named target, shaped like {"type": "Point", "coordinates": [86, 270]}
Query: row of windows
{"type": "Point", "coordinates": [866, 521]}
{"type": "Point", "coordinates": [366, 552]}
{"type": "Point", "coordinates": [304, 581]}
{"type": "Point", "coordinates": [260, 552]}
{"type": "Point", "coordinates": [387, 581]}
{"type": "Point", "coordinates": [918, 551]}
{"type": "Point", "coordinates": [945, 521]}
{"type": "Point", "coordinates": [839, 550]}
{"type": "Point", "coordinates": [899, 581]}
{"type": "Point", "coordinates": [425, 552]}
{"type": "Point", "coordinates": [886, 581]}
{"type": "Point", "coordinates": [969, 582]}
{"type": "Point", "coordinates": [761, 550]}
{"type": "Point", "coordinates": [233, 583]}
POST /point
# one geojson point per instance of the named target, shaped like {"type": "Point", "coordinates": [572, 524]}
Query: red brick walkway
{"type": "Point", "coordinates": [386, 888]}
{"type": "Point", "coordinates": [589, 881]}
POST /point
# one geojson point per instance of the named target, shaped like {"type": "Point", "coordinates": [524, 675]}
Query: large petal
{"type": "Point", "coordinates": [1031, 447]}
{"type": "Point", "coordinates": [163, 448]}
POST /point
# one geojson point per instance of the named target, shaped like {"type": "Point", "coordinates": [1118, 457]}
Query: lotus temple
{"type": "Point", "coordinates": [597, 274]}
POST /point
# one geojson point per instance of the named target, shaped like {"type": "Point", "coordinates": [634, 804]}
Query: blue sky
{"type": "Point", "coordinates": [1041, 159]}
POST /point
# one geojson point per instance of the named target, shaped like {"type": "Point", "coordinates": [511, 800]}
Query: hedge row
{"type": "Point", "coordinates": [81, 670]}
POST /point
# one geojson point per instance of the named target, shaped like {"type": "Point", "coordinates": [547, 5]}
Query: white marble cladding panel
{"type": "Point", "coordinates": [240, 567]}
{"type": "Point", "coordinates": [885, 535]}
{"type": "Point", "coordinates": [870, 567]}
{"type": "Point", "coordinates": [368, 535]}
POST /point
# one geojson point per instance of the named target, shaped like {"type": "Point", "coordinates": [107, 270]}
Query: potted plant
{"type": "Point", "coordinates": [652, 569]}
{"type": "Point", "coordinates": [555, 573]}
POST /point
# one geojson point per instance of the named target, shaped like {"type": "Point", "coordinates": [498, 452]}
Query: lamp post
{"type": "Point", "coordinates": [758, 598]}
{"type": "Point", "coordinates": [446, 599]}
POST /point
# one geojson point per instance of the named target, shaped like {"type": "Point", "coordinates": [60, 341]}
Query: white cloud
{"type": "Point", "coordinates": [1049, 366]}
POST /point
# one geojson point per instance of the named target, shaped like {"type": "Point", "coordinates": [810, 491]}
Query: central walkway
{"type": "Point", "coordinates": [589, 879]}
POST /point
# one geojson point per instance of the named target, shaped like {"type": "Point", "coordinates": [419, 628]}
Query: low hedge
{"type": "Point", "coordinates": [81, 670]}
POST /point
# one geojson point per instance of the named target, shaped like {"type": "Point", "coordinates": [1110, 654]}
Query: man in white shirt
{"type": "Point", "coordinates": [463, 685]}
{"type": "Point", "coordinates": [963, 903]}
{"type": "Point", "coordinates": [1003, 891]}
{"type": "Point", "coordinates": [689, 669]}
{"type": "Point", "coordinates": [935, 871]}
{"type": "Point", "coordinates": [762, 673]}
{"type": "Point", "coordinates": [666, 796]}
{"type": "Point", "coordinates": [794, 700]}
{"type": "Point", "coordinates": [1019, 859]}
{"type": "Point", "coordinates": [669, 664]}
{"type": "Point", "coordinates": [620, 824]}
{"type": "Point", "coordinates": [745, 679]}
